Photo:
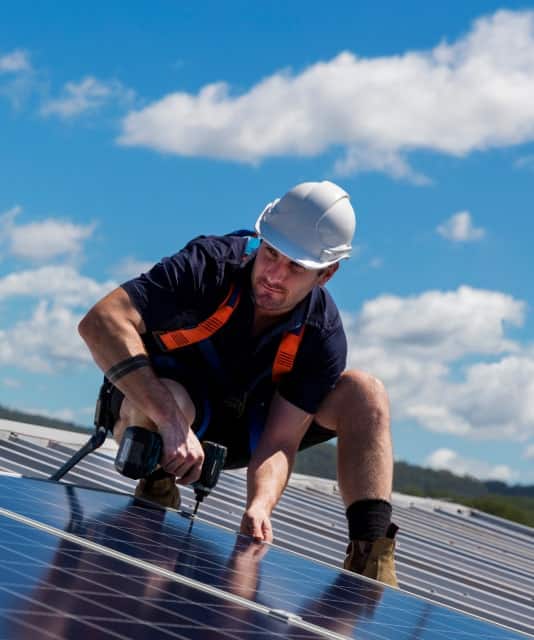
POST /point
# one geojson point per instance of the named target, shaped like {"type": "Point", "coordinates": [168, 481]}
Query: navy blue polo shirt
{"type": "Point", "coordinates": [186, 288]}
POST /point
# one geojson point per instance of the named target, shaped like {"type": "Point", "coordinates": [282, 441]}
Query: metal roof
{"type": "Point", "coordinates": [447, 553]}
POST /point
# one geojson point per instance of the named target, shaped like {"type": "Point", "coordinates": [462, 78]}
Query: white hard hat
{"type": "Point", "coordinates": [313, 224]}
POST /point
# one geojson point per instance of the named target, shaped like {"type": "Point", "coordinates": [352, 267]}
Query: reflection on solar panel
{"type": "Point", "coordinates": [53, 587]}
{"type": "Point", "coordinates": [79, 563]}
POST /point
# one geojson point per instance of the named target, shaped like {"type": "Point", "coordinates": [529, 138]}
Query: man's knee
{"type": "Point", "coordinates": [130, 414]}
{"type": "Point", "coordinates": [357, 394]}
{"type": "Point", "coordinates": [360, 386]}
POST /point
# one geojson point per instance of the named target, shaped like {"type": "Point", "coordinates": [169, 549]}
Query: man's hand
{"type": "Point", "coordinates": [257, 523]}
{"type": "Point", "coordinates": [183, 455]}
{"type": "Point", "coordinates": [270, 465]}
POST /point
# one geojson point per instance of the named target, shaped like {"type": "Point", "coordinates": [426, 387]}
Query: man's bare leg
{"type": "Point", "coordinates": [131, 415]}
{"type": "Point", "coordinates": [358, 411]}
{"type": "Point", "coordinates": [160, 487]}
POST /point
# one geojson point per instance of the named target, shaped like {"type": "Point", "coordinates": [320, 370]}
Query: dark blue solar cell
{"type": "Point", "coordinates": [54, 588]}
{"type": "Point", "coordinates": [319, 594]}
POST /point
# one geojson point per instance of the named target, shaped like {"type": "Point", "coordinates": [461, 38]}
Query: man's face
{"type": "Point", "coordinates": [279, 284]}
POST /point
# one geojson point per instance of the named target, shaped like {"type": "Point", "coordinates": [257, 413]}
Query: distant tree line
{"type": "Point", "coordinates": [510, 502]}
{"type": "Point", "coordinates": [45, 421]}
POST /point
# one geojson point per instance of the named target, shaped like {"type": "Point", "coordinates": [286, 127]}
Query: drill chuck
{"type": "Point", "coordinates": [214, 459]}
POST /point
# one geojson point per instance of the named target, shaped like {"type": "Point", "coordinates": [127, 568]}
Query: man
{"type": "Point", "coordinates": [235, 339]}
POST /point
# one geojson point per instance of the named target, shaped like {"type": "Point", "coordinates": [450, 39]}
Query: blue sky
{"type": "Point", "coordinates": [124, 133]}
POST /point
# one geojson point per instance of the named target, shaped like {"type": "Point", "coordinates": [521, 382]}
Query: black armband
{"type": "Point", "coordinates": [117, 371]}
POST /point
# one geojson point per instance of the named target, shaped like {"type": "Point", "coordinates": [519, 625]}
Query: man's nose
{"type": "Point", "coordinates": [277, 271]}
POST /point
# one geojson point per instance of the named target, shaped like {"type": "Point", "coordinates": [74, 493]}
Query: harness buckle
{"type": "Point", "coordinates": [236, 404]}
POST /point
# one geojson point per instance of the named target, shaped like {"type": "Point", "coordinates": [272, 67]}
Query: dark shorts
{"type": "Point", "coordinates": [237, 428]}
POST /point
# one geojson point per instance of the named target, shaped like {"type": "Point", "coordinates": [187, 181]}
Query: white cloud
{"type": "Point", "coordinates": [473, 94]}
{"type": "Point", "coordinates": [45, 342]}
{"type": "Point", "coordinates": [18, 80]}
{"type": "Point", "coordinates": [11, 383]}
{"type": "Point", "coordinates": [367, 158]}
{"type": "Point", "coordinates": [87, 95]}
{"type": "Point", "coordinates": [459, 228]}
{"type": "Point", "coordinates": [7, 221]}
{"type": "Point", "coordinates": [494, 401]}
{"type": "Point", "coordinates": [46, 338]}
{"type": "Point", "coordinates": [442, 325]}
{"type": "Point", "coordinates": [418, 346]}
{"type": "Point", "coordinates": [529, 452]}
{"type": "Point", "coordinates": [15, 62]}
{"type": "Point", "coordinates": [61, 284]}
{"type": "Point", "coordinates": [130, 267]}
{"type": "Point", "coordinates": [48, 239]}
{"type": "Point", "coordinates": [67, 415]}
{"type": "Point", "coordinates": [43, 240]}
{"type": "Point", "coordinates": [452, 461]}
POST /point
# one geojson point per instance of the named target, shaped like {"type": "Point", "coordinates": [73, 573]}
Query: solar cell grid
{"type": "Point", "coordinates": [431, 565]}
{"type": "Point", "coordinates": [268, 576]}
{"type": "Point", "coordinates": [54, 588]}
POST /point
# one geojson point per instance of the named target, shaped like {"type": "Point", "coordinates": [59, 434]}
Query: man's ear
{"type": "Point", "coordinates": [327, 273]}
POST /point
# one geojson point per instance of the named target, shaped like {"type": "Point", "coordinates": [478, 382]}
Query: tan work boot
{"type": "Point", "coordinates": [374, 559]}
{"type": "Point", "coordinates": [159, 487]}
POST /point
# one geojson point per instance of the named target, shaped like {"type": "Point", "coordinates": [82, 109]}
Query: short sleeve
{"type": "Point", "coordinates": [185, 281]}
{"type": "Point", "coordinates": [319, 363]}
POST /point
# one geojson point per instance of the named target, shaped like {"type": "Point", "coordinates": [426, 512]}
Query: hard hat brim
{"type": "Point", "coordinates": [289, 249]}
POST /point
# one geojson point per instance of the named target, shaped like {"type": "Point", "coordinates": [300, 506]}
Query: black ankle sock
{"type": "Point", "coordinates": [368, 519]}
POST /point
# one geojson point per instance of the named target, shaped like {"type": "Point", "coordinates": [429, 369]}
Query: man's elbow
{"type": "Point", "coordinates": [87, 327]}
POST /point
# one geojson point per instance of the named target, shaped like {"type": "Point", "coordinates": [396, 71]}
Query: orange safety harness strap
{"type": "Point", "coordinates": [287, 349]}
{"type": "Point", "coordinates": [179, 338]}
{"type": "Point", "coordinates": [184, 337]}
{"type": "Point", "coordinates": [287, 352]}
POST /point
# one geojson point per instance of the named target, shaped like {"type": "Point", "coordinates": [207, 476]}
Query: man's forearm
{"type": "Point", "coordinates": [267, 479]}
{"type": "Point", "coordinates": [112, 338]}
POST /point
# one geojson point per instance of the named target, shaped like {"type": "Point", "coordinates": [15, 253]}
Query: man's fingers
{"type": "Point", "coordinates": [186, 468]}
{"type": "Point", "coordinates": [253, 527]}
{"type": "Point", "coordinates": [171, 467]}
{"type": "Point", "coordinates": [267, 531]}
{"type": "Point", "coordinates": [257, 531]}
{"type": "Point", "coordinates": [247, 526]}
{"type": "Point", "coordinates": [192, 475]}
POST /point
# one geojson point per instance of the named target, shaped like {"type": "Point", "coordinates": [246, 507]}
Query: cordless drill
{"type": "Point", "coordinates": [140, 452]}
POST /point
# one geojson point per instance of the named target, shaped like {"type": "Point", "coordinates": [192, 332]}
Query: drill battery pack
{"type": "Point", "coordinates": [139, 452]}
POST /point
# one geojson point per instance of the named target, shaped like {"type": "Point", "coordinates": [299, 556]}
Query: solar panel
{"type": "Point", "coordinates": [55, 588]}
{"type": "Point", "coordinates": [481, 567]}
{"type": "Point", "coordinates": [94, 530]}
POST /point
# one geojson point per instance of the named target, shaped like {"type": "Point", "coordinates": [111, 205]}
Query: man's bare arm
{"type": "Point", "coordinates": [112, 330]}
{"type": "Point", "coordinates": [270, 466]}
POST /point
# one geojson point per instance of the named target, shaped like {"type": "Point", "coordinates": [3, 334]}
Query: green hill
{"type": "Point", "coordinates": [511, 502]}
{"type": "Point", "coordinates": [30, 418]}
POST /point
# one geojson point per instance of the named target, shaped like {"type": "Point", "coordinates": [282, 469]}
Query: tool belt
{"type": "Point", "coordinates": [236, 405]}
{"type": "Point", "coordinates": [105, 416]}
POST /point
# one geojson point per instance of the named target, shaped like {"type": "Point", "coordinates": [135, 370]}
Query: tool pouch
{"type": "Point", "coordinates": [103, 414]}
